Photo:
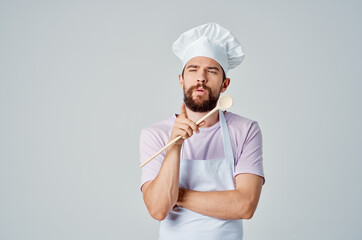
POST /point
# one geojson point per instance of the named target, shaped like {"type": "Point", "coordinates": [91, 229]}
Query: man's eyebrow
{"type": "Point", "coordinates": [192, 66]}
{"type": "Point", "coordinates": [196, 66]}
{"type": "Point", "coordinates": [216, 68]}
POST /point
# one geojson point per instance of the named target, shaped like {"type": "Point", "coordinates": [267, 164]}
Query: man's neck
{"type": "Point", "coordinates": [195, 116]}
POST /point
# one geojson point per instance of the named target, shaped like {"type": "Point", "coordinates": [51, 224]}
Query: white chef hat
{"type": "Point", "coordinates": [209, 40]}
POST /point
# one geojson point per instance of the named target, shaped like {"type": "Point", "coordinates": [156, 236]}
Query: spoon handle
{"type": "Point", "coordinates": [177, 138]}
{"type": "Point", "coordinates": [207, 115]}
{"type": "Point", "coordinates": [161, 150]}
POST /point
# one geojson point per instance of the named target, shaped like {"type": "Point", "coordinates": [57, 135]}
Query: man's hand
{"type": "Point", "coordinates": [180, 198]}
{"type": "Point", "coordinates": [184, 127]}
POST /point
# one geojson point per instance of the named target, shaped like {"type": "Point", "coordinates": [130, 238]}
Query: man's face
{"type": "Point", "coordinates": [202, 83]}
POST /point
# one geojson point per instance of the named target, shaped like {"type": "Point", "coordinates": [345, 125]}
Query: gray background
{"type": "Point", "coordinates": [80, 79]}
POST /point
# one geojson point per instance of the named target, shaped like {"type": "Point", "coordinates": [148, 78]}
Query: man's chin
{"type": "Point", "coordinates": [199, 101]}
{"type": "Point", "coordinates": [199, 97]}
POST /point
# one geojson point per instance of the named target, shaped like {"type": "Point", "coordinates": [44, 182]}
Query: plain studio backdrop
{"type": "Point", "coordinates": [80, 79]}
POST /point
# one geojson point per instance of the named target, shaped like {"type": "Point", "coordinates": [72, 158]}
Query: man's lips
{"type": "Point", "coordinates": [200, 91]}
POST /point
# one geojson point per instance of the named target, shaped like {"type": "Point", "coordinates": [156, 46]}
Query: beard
{"type": "Point", "coordinates": [199, 105]}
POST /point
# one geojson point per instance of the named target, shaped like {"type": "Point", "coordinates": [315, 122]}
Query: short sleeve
{"type": "Point", "coordinates": [150, 143]}
{"type": "Point", "coordinates": [250, 155]}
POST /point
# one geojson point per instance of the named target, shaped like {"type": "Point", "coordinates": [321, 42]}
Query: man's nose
{"type": "Point", "coordinates": [201, 78]}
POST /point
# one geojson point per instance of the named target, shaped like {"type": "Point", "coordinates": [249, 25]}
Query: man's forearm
{"type": "Point", "coordinates": [219, 204]}
{"type": "Point", "coordinates": [162, 193]}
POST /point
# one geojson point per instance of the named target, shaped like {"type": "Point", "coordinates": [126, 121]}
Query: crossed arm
{"type": "Point", "coordinates": [240, 203]}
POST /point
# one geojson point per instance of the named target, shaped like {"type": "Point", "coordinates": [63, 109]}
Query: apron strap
{"type": "Point", "coordinates": [228, 151]}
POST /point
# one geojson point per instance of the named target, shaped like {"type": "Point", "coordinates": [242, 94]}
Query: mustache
{"type": "Point", "coordinates": [191, 89]}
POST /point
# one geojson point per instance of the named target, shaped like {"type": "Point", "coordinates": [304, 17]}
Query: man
{"type": "Point", "coordinates": [206, 183]}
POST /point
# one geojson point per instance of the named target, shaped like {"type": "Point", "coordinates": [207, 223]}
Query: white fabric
{"type": "Point", "coordinates": [209, 40]}
{"type": "Point", "coordinates": [204, 175]}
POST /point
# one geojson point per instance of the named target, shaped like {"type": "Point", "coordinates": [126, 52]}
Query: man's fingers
{"type": "Point", "coordinates": [201, 123]}
{"type": "Point", "coordinates": [183, 111]}
{"type": "Point", "coordinates": [185, 129]}
{"type": "Point", "coordinates": [181, 132]}
{"type": "Point", "coordinates": [190, 123]}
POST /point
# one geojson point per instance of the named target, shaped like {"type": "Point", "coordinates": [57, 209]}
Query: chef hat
{"type": "Point", "coordinates": [209, 40]}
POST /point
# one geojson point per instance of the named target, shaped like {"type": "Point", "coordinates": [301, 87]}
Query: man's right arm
{"type": "Point", "coordinates": [160, 195]}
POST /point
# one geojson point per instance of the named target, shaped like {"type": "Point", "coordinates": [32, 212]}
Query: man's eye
{"type": "Point", "coordinates": [212, 72]}
{"type": "Point", "coordinates": [192, 70]}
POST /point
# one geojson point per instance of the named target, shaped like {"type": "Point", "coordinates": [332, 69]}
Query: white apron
{"type": "Point", "coordinates": [204, 175]}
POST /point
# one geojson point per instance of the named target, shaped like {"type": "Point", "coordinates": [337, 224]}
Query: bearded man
{"type": "Point", "coordinates": [206, 183]}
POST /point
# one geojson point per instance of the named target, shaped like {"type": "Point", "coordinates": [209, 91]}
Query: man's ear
{"type": "Point", "coordinates": [181, 80]}
{"type": "Point", "coordinates": [225, 84]}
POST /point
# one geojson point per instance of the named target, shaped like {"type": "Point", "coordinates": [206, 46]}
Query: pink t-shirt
{"type": "Point", "coordinates": [246, 141]}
